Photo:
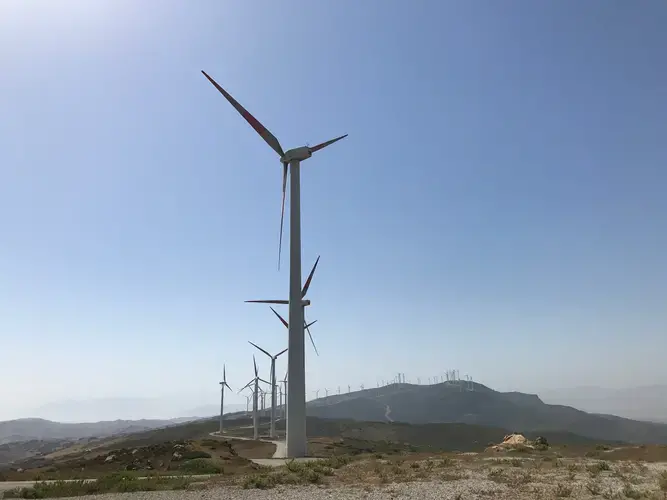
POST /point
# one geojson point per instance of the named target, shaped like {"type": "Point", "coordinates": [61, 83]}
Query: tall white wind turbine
{"type": "Point", "coordinates": [223, 384]}
{"type": "Point", "coordinates": [273, 386]}
{"type": "Point", "coordinates": [254, 384]}
{"type": "Point", "coordinates": [290, 160]}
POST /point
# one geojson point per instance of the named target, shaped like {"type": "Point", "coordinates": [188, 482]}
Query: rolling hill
{"type": "Point", "coordinates": [28, 429]}
{"type": "Point", "coordinates": [439, 403]}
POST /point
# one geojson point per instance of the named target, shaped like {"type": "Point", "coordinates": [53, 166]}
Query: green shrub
{"type": "Point", "coordinates": [191, 455]}
{"type": "Point", "coordinates": [200, 466]}
{"type": "Point", "coordinates": [117, 482]}
{"type": "Point", "coordinates": [630, 492]}
{"type": "Point", "coordinates": [594, 487]}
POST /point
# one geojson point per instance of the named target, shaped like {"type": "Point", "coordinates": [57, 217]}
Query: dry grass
{"type": "Point", "coordinates": [113, 483]}
{"type": "Point", "coordinates": [531, 476]}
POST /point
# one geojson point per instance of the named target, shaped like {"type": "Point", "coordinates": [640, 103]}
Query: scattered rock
{"type": "Point", "coordinates": [135, 451]}
{"type": "Point", "coordinates": [110, 459]}
{"type": "Point", "coordinates": [176, 456]}
{"type": "Point", "coordinates": [514, 439]}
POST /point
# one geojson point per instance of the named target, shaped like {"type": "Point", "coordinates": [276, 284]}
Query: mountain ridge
{"type": "Point", "coordinates": [449, 402]}
{"type": "Point", "coordinates": [32, 428]}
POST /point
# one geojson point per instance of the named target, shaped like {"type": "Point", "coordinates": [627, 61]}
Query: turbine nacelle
{"type": "Point", "coordinates": [297, 154]}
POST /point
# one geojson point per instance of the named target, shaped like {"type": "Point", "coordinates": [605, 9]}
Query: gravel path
{"type": "Point", "coordinates": [470, 489]}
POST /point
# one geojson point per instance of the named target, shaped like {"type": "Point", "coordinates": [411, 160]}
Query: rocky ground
{"type": "Point", "coordinates": [441, 476]}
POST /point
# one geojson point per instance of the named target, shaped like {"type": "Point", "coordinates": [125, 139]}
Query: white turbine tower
{"type": "Point", "coordinates": [223, 384]}
{"type": "Point", "coordinates": [285, 392]}
{"type": "Point", "coordinates": [296, 399]}
{"type": "Point", "coordinates": [272, 432]}
{"type": "Point", "coordinates": [255, 394]}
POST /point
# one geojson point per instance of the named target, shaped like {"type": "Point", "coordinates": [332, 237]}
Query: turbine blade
{"type": "Point", "coordinates": [325, 144]}
{"type": "Point", "coordinates": [311, 323]}
{"type": "Point", "coordinates": [245, 386]}
{"type": "Point", "coordinates": [310, 278]}
{"type": "Point", "coordinates": [224, 376]}
{"type": "Point", "coordinates": [282, 214]}
{"type": "Point", "coordinates": [264, 133]}
{"type": "Point", "coordinates": [254, 363]}
{"type": "Point", "coordinates": [281, 352]}
{"type": "Point", "coordinates": [260, 349]}
{"type": "Point", "coordinates": [228, 386]}
{"type": "Point", "coordinates": [267, 301]}
{"type": "Point", "coordinates": [280, 318]}
{"type": "Point", "coordinates": [261, 379]}
{"type": "Point", "coordinates": [311, 338]}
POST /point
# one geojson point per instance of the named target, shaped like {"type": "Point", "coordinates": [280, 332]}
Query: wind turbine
{"type": "Point", "coordinates": [223, 384]}
{"type": "Point", "coordinates": [296, 418]}
{"type": "Point", "coordinates": [273, 386]}
{"type": "Point", "coordinates": [255, 393]}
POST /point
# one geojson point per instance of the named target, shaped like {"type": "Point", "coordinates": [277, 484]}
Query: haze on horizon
{"type": "Point", "coordinates": [498, 206]}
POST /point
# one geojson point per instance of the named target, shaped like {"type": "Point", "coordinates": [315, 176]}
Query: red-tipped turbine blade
{"type": "Point", "coordinates": [268, 137]}
{"type": "Point", "coordinates": [281, 352]}
{"type": "Point", "coordinates": [280, 318]}
{"type": "Point", "coordinates": [268, 301]}
{"type": "Point", "coordinates": [310, 278]}
{"type": "Point", "coordinates": [282, 214]}
{"type": "Point", "coordinates": [325, 144]}
{"type": "Point", "coordinates": [259, 348]}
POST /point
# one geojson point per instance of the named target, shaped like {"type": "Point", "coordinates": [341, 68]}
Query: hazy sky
{"type": "Point", "coordinates": [498, 207]}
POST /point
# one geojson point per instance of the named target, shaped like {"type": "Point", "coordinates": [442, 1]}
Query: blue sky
{"type": "Point", "coordinates": [498, 207]}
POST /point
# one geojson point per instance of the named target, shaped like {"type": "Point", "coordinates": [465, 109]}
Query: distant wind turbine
{"type": "Point", "coordinates": [223, 384]}
{"type": "Point", "coordinates": [273, 384]}
{"type": "Point", "coordinates": [255, 394]}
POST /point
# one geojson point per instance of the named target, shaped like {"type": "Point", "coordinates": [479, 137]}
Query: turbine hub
{"type": "Point", "coordinates": [296, 154]}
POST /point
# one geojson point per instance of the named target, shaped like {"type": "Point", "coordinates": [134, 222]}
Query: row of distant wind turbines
{"type": "Point", "coordinates": [449, 376]}
{"type": "Point", "coordinates": [253, 385]}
